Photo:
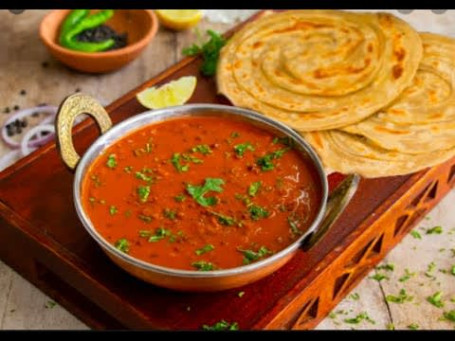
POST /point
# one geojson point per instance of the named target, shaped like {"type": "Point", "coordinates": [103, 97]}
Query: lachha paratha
{"type": "Point", "coordinates": [319, 69]}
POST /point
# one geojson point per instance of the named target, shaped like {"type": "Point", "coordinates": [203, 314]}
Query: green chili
{"type": "Point", "coordinates": [71, 20]}
{"type": "Point", "coordinates": [68, 40]}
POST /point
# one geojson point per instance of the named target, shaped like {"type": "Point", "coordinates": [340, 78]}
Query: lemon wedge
{"type": "Point", "coordinates": [179, 19]}
{"type": "Point", "coordinates": [176, 92]}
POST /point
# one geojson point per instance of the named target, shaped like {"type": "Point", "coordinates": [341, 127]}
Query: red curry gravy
{"type": "Point", "coordinates": [201, 193]}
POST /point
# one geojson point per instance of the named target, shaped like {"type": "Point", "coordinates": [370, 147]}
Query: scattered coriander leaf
{"type": "Point", "coordinates": [379, 277]}
{"type": "Point", "coordinates": [128, 169]}
{"type": "Point", "coordinates": [251, 256]}
{"type": "Point", "coordinates": [407, 275]}
{"type": "Point", "coordinates": [145, 218]}
{"type": "Point", "coordinates": [221, 325]}
{"type": "Point", "coordinates": [401, 298]}
{"type": "Point", "coordinates": [203, 265]}
{"type": "Point", "coordinates": [265, 162]}
{"type": "Point", "coordinates": [414, 326]}
{"type": "Point", "coordinates": [257, 212]}
{"type": "Point", "coordinates": [452, 270]}
{"type": "Point", "coordinates": [180, 198]}
{"type": "Point", "coordinates": [191, 158]}
{"type": "Point", "coordinates": [416, 234]}
{"type": "Point", "coordinates": [240, 149]}
{"type": "Point", "coordinates": [204, 149]}
{"type": "Point", "coordinates": [175, 160]}
{"type": "Point", "coordinates": [143, 192]}
{"type": "Point", "coordinates": [354, 296]}
{"type": "Point", "coordinates": [113, 210]}
{"type": "Point", "coordinates": [359, 318]}
{"type": "Point", "coordinates": [235, 134]}
{"type": "Point", "coordinates": [390, 326]}
{"type": "Point", "coordinates": [435, 230]}
{"type": "Point", "coordinates": [254, 188]}
{"type": "Point", "coordinates": [450, 315]}
{"type": "Point", "coordinates": [122, 245]}
{"type": "Point", "coordinates": [387, 267]}
{"type": "Point", "coordinates": [294, 223]}
{"type": "Point", "coordinates": [430, 269]}
{"type": "Point", "coordinates": [436, 299]}
{"type": "Point", "coordinates": [111, 161]}
{"type": "Point", "coordinates": [169, 214]}
{"type": "Point", "coordinates": [241, 293]}
{"type": "Point", "coordinates": [50, 304]}
{"type": "Point", "coordinates": [205, 249]}
{"type": "Point", "coordinates": [198, 192]}
{"type": "Point", "coordinates": [286, 141]}
{"type": "Point", "coordinates": [224, 219]}
{"type": "Point", "coordinates": [142, 176]}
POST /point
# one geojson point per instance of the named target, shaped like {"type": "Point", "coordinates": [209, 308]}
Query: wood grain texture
{"type": "Point", "coordinates": [51, 85]}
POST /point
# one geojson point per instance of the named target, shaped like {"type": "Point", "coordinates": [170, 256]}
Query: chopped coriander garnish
{"type": "Point", "coordinates": [251, 256]}
{"type": "Point", "coordinates": [240, 149]}
{"type": "Point", "coordinates": [143, 192]}
{"type": "Point", "coordinates": [180, 198]}
{"type": "Point", "coordinates": [112, 210]}
{"type": "Point", "coordinates": [390, 326]}
{"type": "Point", "coordinates": [355, 296]}
{"type": "Point", "coordinates": [210, 52]}
{"type": "Point", "coordinates": [222, 325]}
{"type": "Point", "coordinates": [407, 275]}
{"type": "Point", "coordinates": [235, 134]}
{"type": "Point", "coordinates": [223, 219]}
{"type": "Point", "coordinates": [203, 265]}
{"type": "Point", "coordinates": [205, 249]}
{"type": "Point", "coordinates": [145, 218]}
{"type": "Point", "coordinates": [128, 169]}
{"type": "Point", "coordinates": [160, 233]}
{"type": "Point", "coordinates": [175, 160]}
{"type": "Point", "coordinates": [452, 270]}
{"type": "Point", "coordinates": [436, 299]}
{"type": "Point", "coordinates": [204, 149]}
{"type": "Point", "coordinates": [294, 222]}
{"type": "Point", "coordinates": [359, 318]}
{"type": "Point", "coordinates": [111, 161]}
{"type": "Point", "coordinates": [387, 267]}
{"type": "Point", "coordinates": [266, 163]}
{"type": "Point", "coordinates": [435, 230]}
{"type": "Point", "coordinates": [191, 158]}
{"type": "Point", "coordinates": [257, 212]}
{"type": "Point", "coordinates": [198, 192]}
{"type": "Point", "coordinates": [254, 188]}
{"type": "Point", "coordinates": [450, 315]}
{"type": "Point", "coordinates": [401, 298]}
{"type": "Point", "coordinates": [430, 270]}
{"type": "Point", "coordinates": [50, 304]}
{"type": "Point", "coordinates": [379, 277]}
{"type": "Point", "coordinates": [240, 294]}
{"type": "Point", "coordinates": [416, 234]}
{"type": "Point", "coordinates": [142, 176]}
{"type": "Point", "coordinates": [414, 326]}
{"type": "Point", "coordinates": [122, 245]}
{"type": "Point", "coordinates": [286, 141]}
{"type": "Point", "coordinates": [169, 214]}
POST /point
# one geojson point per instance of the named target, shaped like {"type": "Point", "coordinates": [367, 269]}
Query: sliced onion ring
{"type": "Point", "coordinates": [39, 140]}
{"type": "Point", "coordinates": [25, 143]}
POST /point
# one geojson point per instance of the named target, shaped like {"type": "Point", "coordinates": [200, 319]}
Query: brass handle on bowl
{"type": "Point", "coordinates": [336, 203]}
{"type": "Point", "coordinates": [70, 108]}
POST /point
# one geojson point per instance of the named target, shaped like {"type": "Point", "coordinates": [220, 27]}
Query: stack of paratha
{"type": "Point", "coordinates": [368, 92]}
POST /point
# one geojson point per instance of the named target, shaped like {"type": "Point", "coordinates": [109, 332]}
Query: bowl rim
{"type": "Point", "coordinates": [138, 121]}
{"type": "Point", "coordinates": [112, 53]}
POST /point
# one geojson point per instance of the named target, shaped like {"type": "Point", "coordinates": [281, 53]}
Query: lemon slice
{"type": "Point", "coordinates": [179, 19]}
{"type": "Point", "coordinates": [176, 92]}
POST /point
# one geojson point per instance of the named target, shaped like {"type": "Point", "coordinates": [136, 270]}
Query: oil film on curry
{"type": "Point", "coordinates": [368, 92]}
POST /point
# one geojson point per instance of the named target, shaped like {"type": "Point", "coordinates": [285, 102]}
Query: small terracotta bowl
{"type": "Point", "coordinates": [141, 26]}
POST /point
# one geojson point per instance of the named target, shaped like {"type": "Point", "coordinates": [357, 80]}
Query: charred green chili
{"type": "Point", "coordinates": [71, 20]}
{"type": "Point", "coordinates": [80, 24]}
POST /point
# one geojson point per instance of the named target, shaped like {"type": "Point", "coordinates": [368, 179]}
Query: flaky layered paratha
{"type": "Point", "coordinates": [348, 153]}
{"type": "Point", "coordinates": [319, 69]}
{"type": "Point", "coordinates": [422, 119]}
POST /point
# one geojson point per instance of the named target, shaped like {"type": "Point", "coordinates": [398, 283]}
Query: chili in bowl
{"type": "Point", "coordinates": [197, 197]}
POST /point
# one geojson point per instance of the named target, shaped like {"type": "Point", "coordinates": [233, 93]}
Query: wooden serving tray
{"type": "Point", "coordinates": [44, 241]}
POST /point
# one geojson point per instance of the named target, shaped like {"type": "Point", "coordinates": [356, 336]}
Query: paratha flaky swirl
{"type": "Point", "coordinates": [422, 119]}
{"type": "Point", "coordinates": [319, 69]}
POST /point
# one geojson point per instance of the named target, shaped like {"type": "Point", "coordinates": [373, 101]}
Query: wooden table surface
{"type": "Point", "coordinates": [22, 306]}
